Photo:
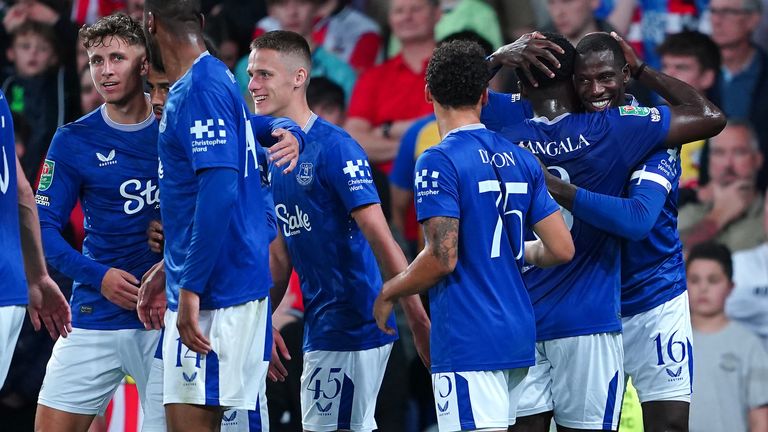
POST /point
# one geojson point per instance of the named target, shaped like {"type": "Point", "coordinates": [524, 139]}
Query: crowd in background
{"type": "Point", "coordinates": [368, 63]}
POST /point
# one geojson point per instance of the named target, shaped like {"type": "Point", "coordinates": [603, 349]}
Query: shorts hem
{"type": "Point", "coordinates": [228, 404]}
{"type": "Point", "coordinates": [69, 408]}
{"type": "Point", "coordinates": [334, 427]}
{"type": "Point", "coordinates": [533, 411]}
{"type": "Point", "coordinates": [589, 426]}
{"type": "Point", "coordinates": [678, 395]}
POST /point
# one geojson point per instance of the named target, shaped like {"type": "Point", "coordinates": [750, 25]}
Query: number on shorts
{"type": "Point", "coordinates": [188, 354]}
{"type": "Point", "coordinates": [670, 351]}
{"type": "Point", "coordinates": [316, 385]}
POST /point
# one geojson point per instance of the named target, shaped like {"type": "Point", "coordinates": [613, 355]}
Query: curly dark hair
{"type": "Point", "coordinates": [457, 73]}
{"type": "Point", "coordinates": [115, 25]}
{"type": "Point", "coordinates": [562, 74]}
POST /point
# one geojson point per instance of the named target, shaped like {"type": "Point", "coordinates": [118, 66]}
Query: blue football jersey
{"type": "Point", "coordinates": [112, 169]}
{"type": "Point", "coordinates": [653, 270]}
{"type": "Point", "coordinates": [14, 290]}
{"type": "Point", "coordinates": [597, 152]}
{"type": "Point", "coordinates": [497, 191]}
{"type": "Point", "coordinates": [205, 124]}
{"type": "Point", "coordinates": [504, 110]}
{"type": "Point", "coordinates": [339, 276]}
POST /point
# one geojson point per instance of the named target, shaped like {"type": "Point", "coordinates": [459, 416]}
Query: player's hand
{"type": "Point", "coordinates": [285, 150]}
{"type": "Point", "coordinates": [382, 310]}
{"type": "Point", "coordinates": [187, 321]}
{"type": "Point", "coordinates": [121, 288]}
{"type": "Point", "coordinates": [277, 371]}
{"type": "Point", "coordinates": [421, 341]}
{"type": "Point", "coordinates": [528, 51]}
{"type": "Point", "coordinates": [155, 236]}
{"type": "Point", "coordinates": [633, 60]}
{"type": "Point", "coordinates": [48, 305]}
{"type": "Point", "coordinates": [152, 301]}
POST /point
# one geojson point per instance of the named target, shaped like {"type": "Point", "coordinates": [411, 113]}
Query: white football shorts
{"type": "Point", "coordinates": [658, 351]}
{"type": "Point", "coordinates": [11, 320]}
{"type": "Point", "coordinates": [339, 388]}
{"type": "Point", "coordinates": [580, 378]}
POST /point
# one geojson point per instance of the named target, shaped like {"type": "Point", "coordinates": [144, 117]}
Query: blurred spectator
{"type": "Point", "coordinates": [730, 210]}
{"type": "Point", "coordinates": [462, 15]}
{"type": "Point", "coordinates": [731, 371]}
{"type": "Point", "coordinates": [693, 58]}
{"type": "Point", "coordinates": [349, 34]}
{"type": "Point", "coordinates": [39, 88]}
{"type": "Point", "coordinates": [389, 97]}
{"type": "Point", "coordinates": [575, 18]}
{"type": "Point", "coordinates": [299, 16]}
{"type": "Point", "coordinates": [516, 17]}
{"type": "Point", "coordinates": [135, 9]}
{"type": "Point", "coordinates": [88, 11]}
{"type": "Point", "coordinates": [748, 302]}
{"type": "Point", "coordinates": [743, 82]}
{"type": "Point", "coordinates": [652, 21]}
{"type": "Point", "coordinates": [90, 99]}
{"type": "Point", "coordinates": [326, 99]}
{"type": "Point", "coordinates": [21, 133]}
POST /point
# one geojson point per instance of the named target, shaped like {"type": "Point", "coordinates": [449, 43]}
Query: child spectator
{"type": "Point", "coordinates": [731, 373]}
{"type": "Point", "coordinates": [39, 89]}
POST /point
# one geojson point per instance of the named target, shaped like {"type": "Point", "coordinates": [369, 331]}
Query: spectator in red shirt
{"type": "Point", "coordinates": [389, 97]}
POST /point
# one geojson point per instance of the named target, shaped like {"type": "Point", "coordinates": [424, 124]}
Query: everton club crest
{"type": "Point", "coordinates": [305, 174]}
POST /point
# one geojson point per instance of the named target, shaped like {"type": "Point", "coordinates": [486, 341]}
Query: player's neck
{"type": "Point", "coordinates": [133, 111]}
{"type": "Point", "coordinates": [709, 324]}
{"type": "Point", "coordinates": [179, 53]}
{"type": "Point", "coordinates": [449, 119]}
{"type": "Point", "coordinates": [551, 104]}
{"type": "Point", "coordinates": [298, 111]}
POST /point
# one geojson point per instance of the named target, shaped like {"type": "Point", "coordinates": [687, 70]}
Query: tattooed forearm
{"type": "Point", "coordinates": [442, 238]}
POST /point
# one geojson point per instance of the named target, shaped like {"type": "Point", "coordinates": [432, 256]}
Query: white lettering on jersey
{"type": "Point", "coordinates": [5, 180]}
{"type": "Point", "coordinates": [138, 196]}
{"type": "Point", "coordinates": [499, 160]}
{"type": "Point", "coordinates": [292, 223]}
{"type": "Point", "coordinates": [555, 148]}
{"type": "Point", "coordinates": [250, 145]}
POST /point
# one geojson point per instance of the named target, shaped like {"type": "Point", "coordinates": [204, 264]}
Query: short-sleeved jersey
{"type": "Point", "coordinates": [597, 152]}
{"type": "Point", "coordinates": [205, 125]}
{"type": "Point", "coordinates": [112, 169]}
{"type": "Point", "coordinates": [14, 289]}
{"type": "Point", "coordinates": [497, 191]}
{"type": "Point", "coordinates": [338, 273]}
{"type": "Point", "coordinates": [652, 269]}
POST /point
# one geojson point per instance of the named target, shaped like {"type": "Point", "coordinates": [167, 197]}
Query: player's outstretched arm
{"type": "Point", "coordinates": [437, 260]}
{"type": "Point", "coordinates": [632, 217]}
{"type": "Point", "coordinates": [46, 302]}
{"type": "Point", "coordinates": [283, 138]}
{"type": "Point", "coordinates": [694, 117]}
{"type": "Point", "coordinates": [374, 227]}
{"type": "Point", "coordinates": [555, 246]}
